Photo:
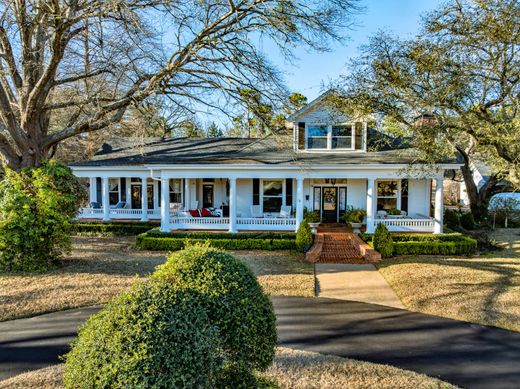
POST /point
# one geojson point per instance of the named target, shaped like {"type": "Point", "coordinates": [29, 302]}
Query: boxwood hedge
{"type": "Point", "coordinates": [156, 240]}
{"type": "Point", "coordinates": [424, 244]}
{"type": "Point", "coordinates": [113, 228]}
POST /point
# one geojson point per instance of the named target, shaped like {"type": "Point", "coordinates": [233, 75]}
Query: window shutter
{"type": "Point", "coordinates": [256, 191]}
{"type": "Point", "coordinates": [359, 136]}
{"type": "Point", "coordinates": [123, 188]}
{"type": "Point", "coordinates": [301, 136]}
{"type": "Point", "coordinates": [99, 197]}
{"type": "Point", "coordinates": [288, 192]}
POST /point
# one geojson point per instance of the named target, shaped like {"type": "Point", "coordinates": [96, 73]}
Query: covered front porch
{"type": "Point", "coordinates": [260, 200]}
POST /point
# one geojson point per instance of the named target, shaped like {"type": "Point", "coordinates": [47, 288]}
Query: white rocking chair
{"type": "Point", "coordinates": [285, 211]}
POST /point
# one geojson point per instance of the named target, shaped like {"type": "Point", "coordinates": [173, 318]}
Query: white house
{"type": "Point", "coordinates": [324, 163]}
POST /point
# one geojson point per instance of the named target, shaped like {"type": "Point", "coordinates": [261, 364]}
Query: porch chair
{"type": "Point", "coordinates": [256, 211]}
{"type": "Point", "coordinates": [381, 214]}
{"type": "Point", "coordinates": [95, 205]}
{"type": "Point", "coordinates": [194, 204]}
{"type": "Point", "coordinates": [285, 211]}
{"type": "Point", "coordinates": [120, 205]}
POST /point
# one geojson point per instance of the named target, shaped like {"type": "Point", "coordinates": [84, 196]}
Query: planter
{"type": "Point", "coordinates": [314, 227]}
{"type": "Point", "coordinates": [356, 227]}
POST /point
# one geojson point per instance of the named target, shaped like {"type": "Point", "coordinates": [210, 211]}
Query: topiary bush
{"type": "Point", "coordinates": [467, 221]}
{"type": "Point", "coordinates": [154, 335]}
{"type": "Point", "coordinates": [382, 241]}
{"type": "Point", "coordinates": [37, 207]}
{"type": "Point", "coordinates": [304, 237]}
{"type": "Point", "coordinates": [235, 303]}
{"type": "Point", "coordinates": [452, 219]}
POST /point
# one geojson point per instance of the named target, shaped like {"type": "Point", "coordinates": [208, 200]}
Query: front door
{"type": "Point", "coordinates": [207, 196]}
{"type": "Point", "coordinates": [329, 205]}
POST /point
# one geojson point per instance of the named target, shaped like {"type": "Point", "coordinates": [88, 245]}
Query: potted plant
{"type": "Point", "coordinates": [393, 211]}
{"type": "Point", "coordinates": [354, 217]}
{"type": "Point", "coordinates": [313, 218]}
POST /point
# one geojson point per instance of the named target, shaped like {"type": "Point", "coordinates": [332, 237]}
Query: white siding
{"type": "Point", "coordinates": [418, 197]}
{"type": "Point", "coordinates": [244, 197]}
{"type": "Point", "coordinates": [357, 193]}
{"type": "Point", "coordinates": [322, 115]}
{"type": "Point", "coordinates": [307, 191]}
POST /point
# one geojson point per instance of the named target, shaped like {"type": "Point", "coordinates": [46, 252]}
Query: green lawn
{"type": "Point", "coordinates": [483, 289]}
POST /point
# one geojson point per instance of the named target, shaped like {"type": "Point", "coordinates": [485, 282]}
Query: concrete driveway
{"type": "Point", "coordinates": [467, 355]}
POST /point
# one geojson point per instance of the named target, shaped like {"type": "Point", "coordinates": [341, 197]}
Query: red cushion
{"type": "Point", "coordinates": [205, 212]}
{"type": "Point", "coordinates": [194, 213]}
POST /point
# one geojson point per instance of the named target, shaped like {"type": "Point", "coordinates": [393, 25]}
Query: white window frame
{"type": "Point", "coordinates": [181, 190]}
{"type": "Point", "coordinates": [284, 192]}
{"type": "Point", "coordinates": [118, 191]}
{"type": "Point", "coordinates": [329, 137]}
{"type": "Point", "coordinates": [398, 202]}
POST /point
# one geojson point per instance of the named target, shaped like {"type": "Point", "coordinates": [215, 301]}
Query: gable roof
{"type": "Point", "coordinates": [309, 106]}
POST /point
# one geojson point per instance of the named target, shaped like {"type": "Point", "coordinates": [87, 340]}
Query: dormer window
{"type": "Point", "coordinates": [333, 137]}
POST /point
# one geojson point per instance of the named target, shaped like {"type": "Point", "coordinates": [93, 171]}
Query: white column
{"type": "Point", "coordinates": [165, 205]}
{"type": "Point", "coordinates": [92, 198]}
{"type": "Point", "coordinates": [299, 201]}
{"type": "Point", "coordinates": [232, 205]}
{"type": "Point", "coordinates": [370, 205]}
{"type": "Point", "coordinates": [439, 204]}
{"type": "Point", "coordinates": [144, 199]}
{"type": "Point", "coordinates": [105, 199]}
{"type": "Point", "coordinates": [128, 192]}
{"type": "Point", "coordinates": [187, 194]}
{"type": "Point", "coordinates": [156, 199]}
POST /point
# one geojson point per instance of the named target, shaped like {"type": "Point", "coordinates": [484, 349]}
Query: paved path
{"type": "Point", "coordinates": [360, 282]}
{"type": "Point", "coordinates": [467, 355]}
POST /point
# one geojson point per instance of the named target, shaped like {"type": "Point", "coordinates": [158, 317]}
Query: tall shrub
{"type": "Point", "coordinates": [304, 238]}
{"type": "Point", "coordinates": [383, 241]}
{"type": "Point", "coordinates": [235, 302]}
{"type": "Point", "coordinates": [152, 336]}
{"type": "Point", "coordinates": [36, 210]}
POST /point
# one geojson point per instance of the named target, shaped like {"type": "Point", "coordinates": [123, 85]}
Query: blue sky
{"type": "Point", "coordinates": [312, 70]}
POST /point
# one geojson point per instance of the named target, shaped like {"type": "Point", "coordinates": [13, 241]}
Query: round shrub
{"type": "Point", "coordinates": [37, 207]}
{"type": "Point", "coordinates": [467, 221]}
{"type": "Point", "coordinates": [383, 242]}
{"type": "Point", "coordinates": [452, 219]}
{"type": "Point", "coordinates": [304, 238]}
{"type": "Point", "coordinates": [150, 336]}
{"type": "Point", "coordinates": [234, 300]}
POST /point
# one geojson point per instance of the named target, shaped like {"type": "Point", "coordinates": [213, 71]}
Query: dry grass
{"type": "Point", "coordinates": [483, 290]}
{"type": "Point", "coordinates": [281, 273]}
{"type": "Point", "coordinates": [292, 369]}
{"type": "Point", "coordinates": [97, 269]}
{"type": "Point", "coordinates": [101, 267]}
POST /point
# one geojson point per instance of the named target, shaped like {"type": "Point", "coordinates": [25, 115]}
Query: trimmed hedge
{"type": "Point", "coordinates": [382, 241]}
{"type": "Point", "coordinates": [422, 244]}
{"type": "Point", "coordinates": [113, 228]}
{"type": "Point", "coordinates": [156, 233]}
{"type": "Point", "coordinates": [145, 242]}
{"type": "Point", "coordinates": [304, 237]}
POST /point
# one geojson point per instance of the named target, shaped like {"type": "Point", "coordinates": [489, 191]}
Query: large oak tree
{"type": "Point", "coordinates": [463, 72]}
{"type": "Point", "coordinates": [69, 67]}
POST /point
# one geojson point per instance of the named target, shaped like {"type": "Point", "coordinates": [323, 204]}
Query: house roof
{"type": "Point", "coordinates": [271, 150]}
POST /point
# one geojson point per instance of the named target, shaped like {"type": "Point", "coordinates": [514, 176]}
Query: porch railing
{"type": "Point", "coordinates": [250, 223]}
{"type": "Point", "coordinates": [407, 224]}
{"type": "Point", "coordinates": [218, 223]}
{"type": "Point", "coordinates": [97, 213]}
{"type": "Point", "coordinates": [243, 223]}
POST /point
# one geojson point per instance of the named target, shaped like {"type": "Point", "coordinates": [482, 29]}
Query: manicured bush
{"type": "Point", "coordinates": [154, 335]}
{"type": "Point", "coordinates": [113, 228]}
{"type": "Point", "coordinates": [382, 241]}
{"type": "Point", "coordinates": [156, 233]}
{"type": "Point", "coordinates": [427, 244]}
{"type": "Point", "coordinates": [311, 216]}
{"type": "Point", "coordinates": [145, 242]}
{"type": "Point", "coordinates": [304, 237]}
{"type": "Point", "coordinates": [452, 219]}
{"type": "Point", "coordinates": [235, 303]}
{"type": "Point", "coordinates": [37, 207]}
{"type": "Point", "coordinates": [467, 221]}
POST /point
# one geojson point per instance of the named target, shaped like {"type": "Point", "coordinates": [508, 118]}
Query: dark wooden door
{"type": "Point", "coordinates": [329, 205]}
{"type": "Point", "coordinates": [207, 196]}
{"type": "Point", "coordinates": [136, 196]}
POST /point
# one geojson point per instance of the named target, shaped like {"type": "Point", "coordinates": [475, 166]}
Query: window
{"type": "Point", "coordinates": [273, 195]}
{"type": "Point", "coordinates": [387, 193]}
{"type": "Point", "coordinates": [176, 191]}
{"type": "Point", "coordinates": [342, 137]}
{"type": "Point", "coordinates": [113, 191]}
{"type": "Point", "coordinates": [317, 137]}
{"type": "Point", "coordinates": [337, 137]}
{"type": "Point", "coordinates": [317, 198]}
